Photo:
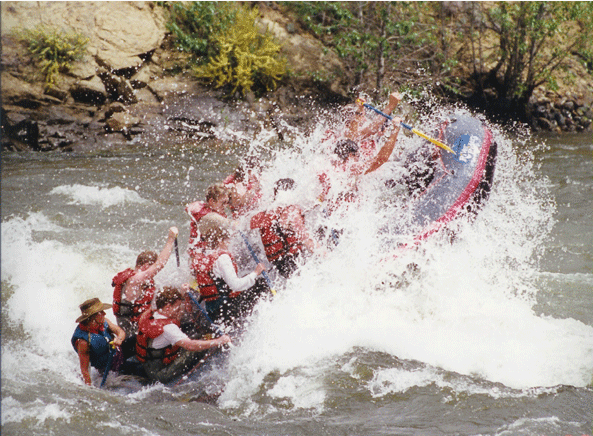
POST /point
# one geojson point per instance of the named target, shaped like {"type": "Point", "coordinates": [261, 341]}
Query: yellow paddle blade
{"type": "Point", "coordinates": [434, 141]}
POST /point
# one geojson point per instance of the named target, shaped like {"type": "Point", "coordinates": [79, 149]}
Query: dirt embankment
{"type": "Point", "coordinates": [123, 93]}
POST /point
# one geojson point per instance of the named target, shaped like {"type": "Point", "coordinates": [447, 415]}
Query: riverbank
{"type": "Point", "coordinates": [126, 90]}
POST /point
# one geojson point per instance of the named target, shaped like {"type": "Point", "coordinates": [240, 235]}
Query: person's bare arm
{"type": "Point", "coordinates": [85, 360]}
{"type": "Point", "coordinates": [201, 345]}
{"type": "Point", "coordinates": [386, 150]}
{"type": "Point", "coordinates": [194, 207]}
{"type": "Point", "coordinates": [371, 129]}
{"type": "Point", "coordinates": [133, 288]}
{"type": "Point", "coordinates": [354, 126]}
{"type": "Point", "coordinates": [117, 331]}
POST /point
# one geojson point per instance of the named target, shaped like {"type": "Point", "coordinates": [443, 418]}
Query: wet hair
{"type": "Point", "coordinates": [146, 258]}
{"type": "Point", "coordinates": [345, 147]}
{"type": "Point", "coordinates": [168, 295]}
{"type": "Point", "coordinates": [214, 235]}
{"type": "Point", "coordinates": [216, 192]}
{"type": "Point", "coordinates": [239, 174]}
{"type": "Point", "coordinates": [251, 163]}
{"type": "Point", "coordinates": [286, 184]}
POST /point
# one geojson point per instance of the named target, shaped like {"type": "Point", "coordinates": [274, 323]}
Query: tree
{"type": "Point", "coordinates": [381, 42]}
{"type": "Point", "coordinates": [518, 46]}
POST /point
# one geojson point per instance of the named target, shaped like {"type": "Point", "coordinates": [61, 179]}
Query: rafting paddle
{"type": "Point", "coordinates": [254, 256]}
{"type": "Point", "coordinates": [109, 362]}
{"type": "Point", "coordinates": [411, 129]}
{"type": "Point", "coordinates": [197, 304]}
{"type": "Point", "coordinates": [177, 251]}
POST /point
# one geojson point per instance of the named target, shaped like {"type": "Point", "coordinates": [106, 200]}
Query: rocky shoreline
{"type": "Point", "coordinates": [123, 93]}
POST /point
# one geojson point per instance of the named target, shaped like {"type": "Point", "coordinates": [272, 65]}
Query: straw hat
{"type": "Point", "coordinates": [90, 307]}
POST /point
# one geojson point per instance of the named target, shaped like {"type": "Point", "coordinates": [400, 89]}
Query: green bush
{"type": "Point", "coordinates": [54, 50]}
{"type": "Point", "coordinates": [193, 24]}
{"type": "Point", "coordinates": [226, 46]}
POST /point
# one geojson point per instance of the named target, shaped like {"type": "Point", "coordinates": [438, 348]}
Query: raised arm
{"type": "Point", "coordinates": [375, 125]}
{"type": "Point", "coordinates": [134, 285]}
{"type": "Point", "coordinates": [386, 150]}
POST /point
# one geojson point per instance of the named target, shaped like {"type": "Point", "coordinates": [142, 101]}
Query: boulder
{"type": "Point", "coordinates": [90, 92]}
{"type": "Point", "coordinates": [84, 69]}
{"type": "Point", "coordinates": [113, 108]}
{"type": "Point", "coordinates": [21, 129]}
{"type": "Point", "coordinates": [141, 79]}
{"type": "Point", "coordinates": [302, 52]}
{"type": "Point", "coordinates": [118, 88]}
{"type": "Point", "coordinates": [167, 87]}
{"type": "Point", "coordinates": [20, 93]}
{"type": "Point", "coordinates": [121, 122]}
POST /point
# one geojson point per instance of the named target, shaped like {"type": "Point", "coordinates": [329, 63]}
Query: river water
{"type": "Point", "coordinates": [490, 334]}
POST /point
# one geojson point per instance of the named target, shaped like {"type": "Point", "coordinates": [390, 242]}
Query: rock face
{"type": "Point", "coordinates": [126, 62]}
{"type": "Point", "coordinates": [120, 33]}
{"type": "Point", "coordinates": [122, 37]}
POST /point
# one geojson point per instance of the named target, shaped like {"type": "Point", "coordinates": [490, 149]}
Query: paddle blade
{"type": "Point", "coordinates": [434, 141]}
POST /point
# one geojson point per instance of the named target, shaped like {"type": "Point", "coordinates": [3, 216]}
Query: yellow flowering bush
{"type": "Point", "coordinates": [246, 58]}
{"type": "Point", "coordinates": [54, 50]}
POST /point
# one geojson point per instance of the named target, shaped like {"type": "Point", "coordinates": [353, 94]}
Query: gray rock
{"type": "Point", "coordinates": [121, 122]}
{"type": "Point", "coordinates": [118, 88]}
{"type": "Point", "coordinates": [90, 92]}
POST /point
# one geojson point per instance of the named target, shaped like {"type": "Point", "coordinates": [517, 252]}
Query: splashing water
{"type": "Point", "coordinates": [465, 307]}
{"type": "Point", "coordinates": [458, 313]}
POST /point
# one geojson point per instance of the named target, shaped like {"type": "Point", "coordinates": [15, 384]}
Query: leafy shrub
{"type": "Point", "coordinates": [54, 50]}
{"type": "Point", "coordinates": [193, 25]}
{"type": "Point", "coordinates": [245, 57]}
{"type": "Point", "coordinates": [227, 48]}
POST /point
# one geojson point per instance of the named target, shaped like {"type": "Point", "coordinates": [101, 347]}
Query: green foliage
{"type": "Point", "coordinates": [54, 50]}
{"type": "Point", "coordinates": [322, 18]}
{"type": "Point", "coordinates": [534, 41]}
{"type": "Point", "coordinates": [227, 48]}
{"type": "Point", "coordinates": [193, 24]}
{"type": "Point", "coordinates": [372, 36]}
{"type": "Point", "coordinates": [246, 58]}
{"type": "Point", "coordinates": [506, 49]}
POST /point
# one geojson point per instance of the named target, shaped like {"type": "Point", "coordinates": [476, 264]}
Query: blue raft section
{"type": "Point", "coordinates": [451, 184]}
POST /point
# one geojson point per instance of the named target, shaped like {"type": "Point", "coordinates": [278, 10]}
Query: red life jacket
{"type": "Point", "coordinates": [278, 240]}
{"type": "Point", "coordinates": [139, 306]}
{"type": "Point", "coordinates": [210, 287]}
{"type": "Point", "coordinates": [148, 329]}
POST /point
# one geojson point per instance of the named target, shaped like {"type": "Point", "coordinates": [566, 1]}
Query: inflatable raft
{"type": "Point", "coordinates": [445, 185]}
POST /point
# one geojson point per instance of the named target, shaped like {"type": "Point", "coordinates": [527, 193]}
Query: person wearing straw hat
{"type": "Point", "coordinates": [94, 336]}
